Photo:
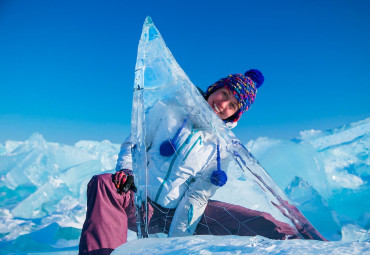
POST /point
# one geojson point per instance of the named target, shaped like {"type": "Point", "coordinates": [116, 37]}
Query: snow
{"type": "Point", "coordinates": [238, 245]}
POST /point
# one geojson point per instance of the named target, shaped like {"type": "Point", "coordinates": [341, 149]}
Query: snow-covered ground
{"type": "Point", "coordinates": [208, 245]}
{"type": "Point", "coordinates": [326, 173]}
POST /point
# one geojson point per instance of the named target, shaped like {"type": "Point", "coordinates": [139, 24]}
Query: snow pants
{"type": "Point", "coordinates": [110, 214]}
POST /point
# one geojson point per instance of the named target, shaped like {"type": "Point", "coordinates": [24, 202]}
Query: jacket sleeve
{"type": "Point", "coordinates": [124, 160]}
{"type": "Point", "coordinates": [191, 207]}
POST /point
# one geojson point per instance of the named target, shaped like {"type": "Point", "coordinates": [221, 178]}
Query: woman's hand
{"type": "Point", "coordinates": [124, 181]}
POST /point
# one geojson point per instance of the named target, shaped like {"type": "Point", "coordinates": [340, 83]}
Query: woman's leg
{"type": "Point", "coordinates": [105, 227]}
{"type": "Point", "coordinates": [160, 218]}
{"type": "Point", "coordinates": [226, 219]}
{"type": "Point", "coordinates": [222, 218]}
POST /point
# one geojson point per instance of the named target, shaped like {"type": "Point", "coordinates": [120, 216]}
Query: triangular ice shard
{"type": "Point", "coordinates": [193, 175]}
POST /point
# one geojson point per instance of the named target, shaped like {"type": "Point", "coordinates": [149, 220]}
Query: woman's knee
{"type": "Point", "coordinates": [101, 179]}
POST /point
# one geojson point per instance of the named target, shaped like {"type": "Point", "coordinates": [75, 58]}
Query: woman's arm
{"type": "Point", "coordinates": [152, 120]}
{"type": "Point", "coordinates": [124, 160]}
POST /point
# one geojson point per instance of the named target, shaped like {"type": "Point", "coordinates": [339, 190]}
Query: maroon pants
{"type": "Point", "coordinates": [109, 215]}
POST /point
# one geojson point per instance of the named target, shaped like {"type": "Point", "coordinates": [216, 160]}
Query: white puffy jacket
{"type": "Point", "coordinates": [183, 180]}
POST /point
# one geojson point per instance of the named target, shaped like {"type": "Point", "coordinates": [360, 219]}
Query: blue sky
{"type": "Point", "coordinates": [67, 67]}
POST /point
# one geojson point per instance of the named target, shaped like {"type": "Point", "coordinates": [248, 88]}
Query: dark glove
{"type": "Point", "coordinates": [124, 181]}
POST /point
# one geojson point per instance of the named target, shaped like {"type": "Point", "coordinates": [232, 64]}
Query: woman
{"type": "Point", "coordinates": [185, 170]}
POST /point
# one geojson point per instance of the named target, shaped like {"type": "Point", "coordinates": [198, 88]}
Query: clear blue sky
{"type": "Point", "coordinates": [67, 67]}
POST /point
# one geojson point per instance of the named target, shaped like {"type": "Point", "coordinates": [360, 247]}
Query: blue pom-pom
{"type": "Point", "coordinates": [219, 178]}
{"type": "Point", "coordinates": [256, 76]}
{"type": "Point", "coordinates": [167, 148]}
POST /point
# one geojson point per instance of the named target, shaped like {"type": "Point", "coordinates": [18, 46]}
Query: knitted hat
{"type": "Point", "coordinates": [244, 88]}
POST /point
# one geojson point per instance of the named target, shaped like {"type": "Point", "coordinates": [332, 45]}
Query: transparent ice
{"type": "Point", "coordinates": [164, 94]}
{"type": "Point", "coordinates": [60, 218]}
{"type": "Point", "coordinates": [43, 191]}
{"type": "Point", "coordinates": [333, 170]}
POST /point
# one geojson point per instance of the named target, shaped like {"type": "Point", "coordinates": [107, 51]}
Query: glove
{"type": "Point", "coordinates": [124, 181]}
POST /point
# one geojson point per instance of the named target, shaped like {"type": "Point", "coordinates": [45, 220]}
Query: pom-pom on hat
{"type": "Point", "coordinates": [244, 87]}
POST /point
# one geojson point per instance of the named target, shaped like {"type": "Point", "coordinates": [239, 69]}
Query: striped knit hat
{"type": "Point", "coordinates": [244, 88]}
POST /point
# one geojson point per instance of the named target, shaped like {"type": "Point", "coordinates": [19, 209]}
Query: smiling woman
{"type": "Point", "coordinates": [184, 164]}
{"type": "Point", "coordinates": [230, 97]}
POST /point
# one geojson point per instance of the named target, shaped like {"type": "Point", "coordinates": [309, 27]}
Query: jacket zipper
{"type": "Point", "coordinates": [191, 148]}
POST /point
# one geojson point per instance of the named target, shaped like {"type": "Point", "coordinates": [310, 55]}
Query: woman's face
{"type": "Point", "coordinates": [223, 103]}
